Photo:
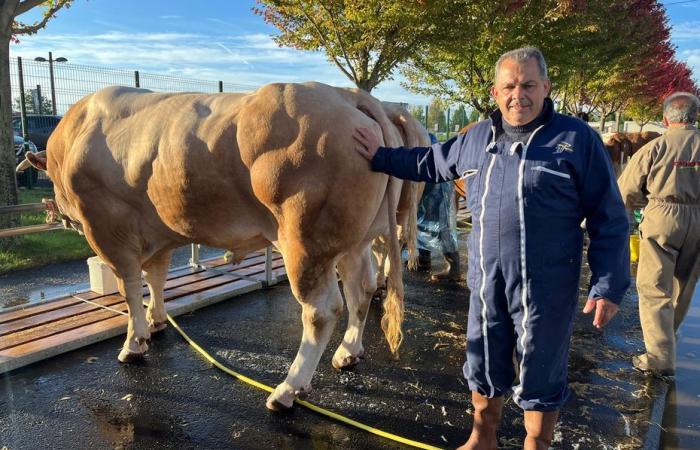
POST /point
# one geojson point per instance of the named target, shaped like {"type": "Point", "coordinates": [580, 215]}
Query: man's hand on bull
{"type": "Point", "coordinates": [366, 142]}
{"type": "Point", "coordinates": [604, 310]}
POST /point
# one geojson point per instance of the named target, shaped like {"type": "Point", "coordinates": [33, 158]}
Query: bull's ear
{"type": "Point", "coordinates": [37, 160]}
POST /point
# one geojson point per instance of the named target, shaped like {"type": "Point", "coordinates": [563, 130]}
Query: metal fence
{"type": "Point", "coordinates": [51, 87]}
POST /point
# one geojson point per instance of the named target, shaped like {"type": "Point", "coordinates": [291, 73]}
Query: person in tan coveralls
{"type": "Point", "coordinates": [664, 178]}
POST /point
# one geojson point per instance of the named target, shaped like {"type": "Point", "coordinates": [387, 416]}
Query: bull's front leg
{"type": "Point", "coordinates": [320, 312]}
{"type": "Point", "coordinates": [137, 333]}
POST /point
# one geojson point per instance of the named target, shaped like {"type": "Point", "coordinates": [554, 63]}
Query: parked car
{"type": "Point", "coordinates": [30, 176]}
{"type": "Point", "coordinates": [39, 128]}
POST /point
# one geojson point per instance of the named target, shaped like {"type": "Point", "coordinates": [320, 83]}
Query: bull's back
{"type": "Point", "coordinates": [170, 159]}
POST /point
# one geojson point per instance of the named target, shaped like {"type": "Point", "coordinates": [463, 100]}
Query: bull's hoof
{"type": "Point", "coordinates": [280, 402]}
{"type": "Point", "coordinates": [131, 353]}
{"type": "Point", "coordinates": [283, 397]}
{"type": "Point", "coordinates": [346, 363]}
{"type": "Point", "coordinates": [126, 356]}
{"type": "Point", "coordinates": [344, 360]}
{"type": "Point", "coordinates": [156, 327]}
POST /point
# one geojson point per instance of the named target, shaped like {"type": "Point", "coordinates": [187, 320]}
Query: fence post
{"type": "Point", "coordinates": [221, 86]}
{"type": "Point", "coordinates": [268, 266]}
{"type": "Point", "coordinates": [136, 78]}
{"type": "Point", "coordinates": [22, 101]}
{"type": "Point", "coordinates": [194, 258]}
{"type": "Point", "coordinates": [448, 124]}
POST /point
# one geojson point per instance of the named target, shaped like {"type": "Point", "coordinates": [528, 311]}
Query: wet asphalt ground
{"type": "Point", "coordinates": [174, 399]}
{"type": "Point", "coordinates": [681, 420]}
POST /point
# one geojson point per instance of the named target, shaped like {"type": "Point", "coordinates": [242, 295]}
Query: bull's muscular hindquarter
{"type": "Point", "coordinates": [144, 173]}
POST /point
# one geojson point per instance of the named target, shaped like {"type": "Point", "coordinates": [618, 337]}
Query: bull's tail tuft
{"type": "Point", "coordinates": [393, 303]}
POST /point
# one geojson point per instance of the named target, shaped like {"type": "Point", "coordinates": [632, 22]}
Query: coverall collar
{"type": "Point", "coordinates": [496, 119]}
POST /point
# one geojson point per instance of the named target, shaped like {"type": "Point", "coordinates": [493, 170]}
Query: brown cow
{"type": "Point", "coordinates": [621, 146]}
{"type": "Point", "coordinates": [142, 173]}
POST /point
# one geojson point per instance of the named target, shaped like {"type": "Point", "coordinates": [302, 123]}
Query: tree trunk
{"type": "Point", "coordinates": [8, 180]}
{"type": "Point", "coordinates": [365, 84]}
{"type": "Point", "coordinates": [618, 118]}
{"type": "Point", "coordinates": [603, 115]}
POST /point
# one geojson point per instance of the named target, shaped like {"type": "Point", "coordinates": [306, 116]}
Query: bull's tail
{"type": "Point", "coordinates": [393, 303]}
{"type": "Point", "coordinates": [411, 232]}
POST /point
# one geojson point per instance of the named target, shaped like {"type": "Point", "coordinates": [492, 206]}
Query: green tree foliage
{"type": "Point", "coordinates": [437, 116]}
{"type": "Point", "coordinates": [459, 117]}
{"type": "Point", "coordinates": [418, 112]}
{"type": "Point", "coordinates": [366, 39]}
{"type": "Point", "coordinates": [44, 106]}
{"type": "Point", "coordinates": [461, 68]}
{"type": "Point", "coordinates": [643, 112]}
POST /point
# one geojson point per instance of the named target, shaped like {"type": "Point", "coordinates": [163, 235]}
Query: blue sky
{"type": "Point", "coordinates": [225, 40]}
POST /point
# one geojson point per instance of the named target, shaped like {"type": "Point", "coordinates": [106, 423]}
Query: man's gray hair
{"type": "Point", "coordinates": [681, 107]}
{"type": "Point", "coordinates": [521, 55]}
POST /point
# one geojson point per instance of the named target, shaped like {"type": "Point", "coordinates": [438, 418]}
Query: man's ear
{"type": "Point", "coordinates": [493, 91]}
{"type": "Point", "coordinates": [547, 87]}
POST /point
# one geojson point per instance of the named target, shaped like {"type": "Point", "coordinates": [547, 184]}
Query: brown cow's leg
{"type": "Point", "coordinates": [359, 283]}
{"type": "Point", "coordinates": [155, 272]}
{"type": "Point", "coordinates": [315, 286]}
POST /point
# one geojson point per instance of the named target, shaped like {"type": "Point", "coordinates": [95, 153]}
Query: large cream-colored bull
{"type": "Point", "coordinates": [142, 173]}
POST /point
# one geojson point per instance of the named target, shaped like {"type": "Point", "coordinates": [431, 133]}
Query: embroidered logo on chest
{"type": "Point", "coordinates": [563, 147]}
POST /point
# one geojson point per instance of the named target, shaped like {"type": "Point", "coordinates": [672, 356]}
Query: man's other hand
{"type": "Point", "coordinates": [604, 310]}
{"type": "Point", "coordinates": [366, 142]}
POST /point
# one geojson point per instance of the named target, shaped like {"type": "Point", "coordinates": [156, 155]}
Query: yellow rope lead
{"type": "Point", "coordinates": [311, 406]}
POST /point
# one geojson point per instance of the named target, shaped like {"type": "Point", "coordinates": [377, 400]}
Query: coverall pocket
{"type": "Point", "coordinates": [471, 181]}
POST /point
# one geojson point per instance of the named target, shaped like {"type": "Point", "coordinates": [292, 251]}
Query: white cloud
{"type": "Point", "coordinates": [169, 17]}
{"type": "Point", "coordinates": [105, 23]}
{"type": "Point", "coordinates": [692, 57]}
{"type": "Point", "coordinates": [250, 60]}
{"type": "Point", "coordinates": [685, 31]}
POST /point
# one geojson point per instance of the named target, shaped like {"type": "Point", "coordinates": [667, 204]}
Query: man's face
{"type": "Point", "coordinates": [520, 91]}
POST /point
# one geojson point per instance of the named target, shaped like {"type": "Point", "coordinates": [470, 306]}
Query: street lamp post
{"type": "Point", "coordinates": [51, 82]}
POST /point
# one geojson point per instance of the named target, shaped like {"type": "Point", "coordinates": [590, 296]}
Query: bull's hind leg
{"type": "Point", "coordinates": [155, 272]}
{"type": "Point", "coordinates": [359, 284]}
{"type": "Point", "coordinates": [316, 288]}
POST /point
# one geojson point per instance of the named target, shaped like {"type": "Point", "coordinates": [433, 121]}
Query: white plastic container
{"type": "Point", "coordinates": [102, 279]}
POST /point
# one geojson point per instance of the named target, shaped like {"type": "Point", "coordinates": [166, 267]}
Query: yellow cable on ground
{"type": "Point", "coordinates": [311, 406]}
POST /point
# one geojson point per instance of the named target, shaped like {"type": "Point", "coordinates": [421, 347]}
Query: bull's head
{"type": "Point", "coordinates": [55, 207]}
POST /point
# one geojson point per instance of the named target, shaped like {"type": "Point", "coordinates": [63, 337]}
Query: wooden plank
{"type": "Point", "coordinates": [49, 346]}
{"type": "Point", "coordinates": [102, 324]}
{"type": "Point", "coordinates": [176, 275]}
{"type": "Point", "coordinates": [38, 327]}
{"type": "Point", "coordinates": [96, 314]}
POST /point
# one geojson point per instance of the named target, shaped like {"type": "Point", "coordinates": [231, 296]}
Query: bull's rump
{"type": "Point", "coordinates": [218, 169]}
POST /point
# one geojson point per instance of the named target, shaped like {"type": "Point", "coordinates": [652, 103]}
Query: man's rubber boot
{"type": "Point", "coordinates": [423, 259]}
{"type": "Point", "coordinates": [539, 427]}
{"type": "Point", "coordinates": [451, 272]}
{"type": "Point", "coordinates": [487, 419]}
